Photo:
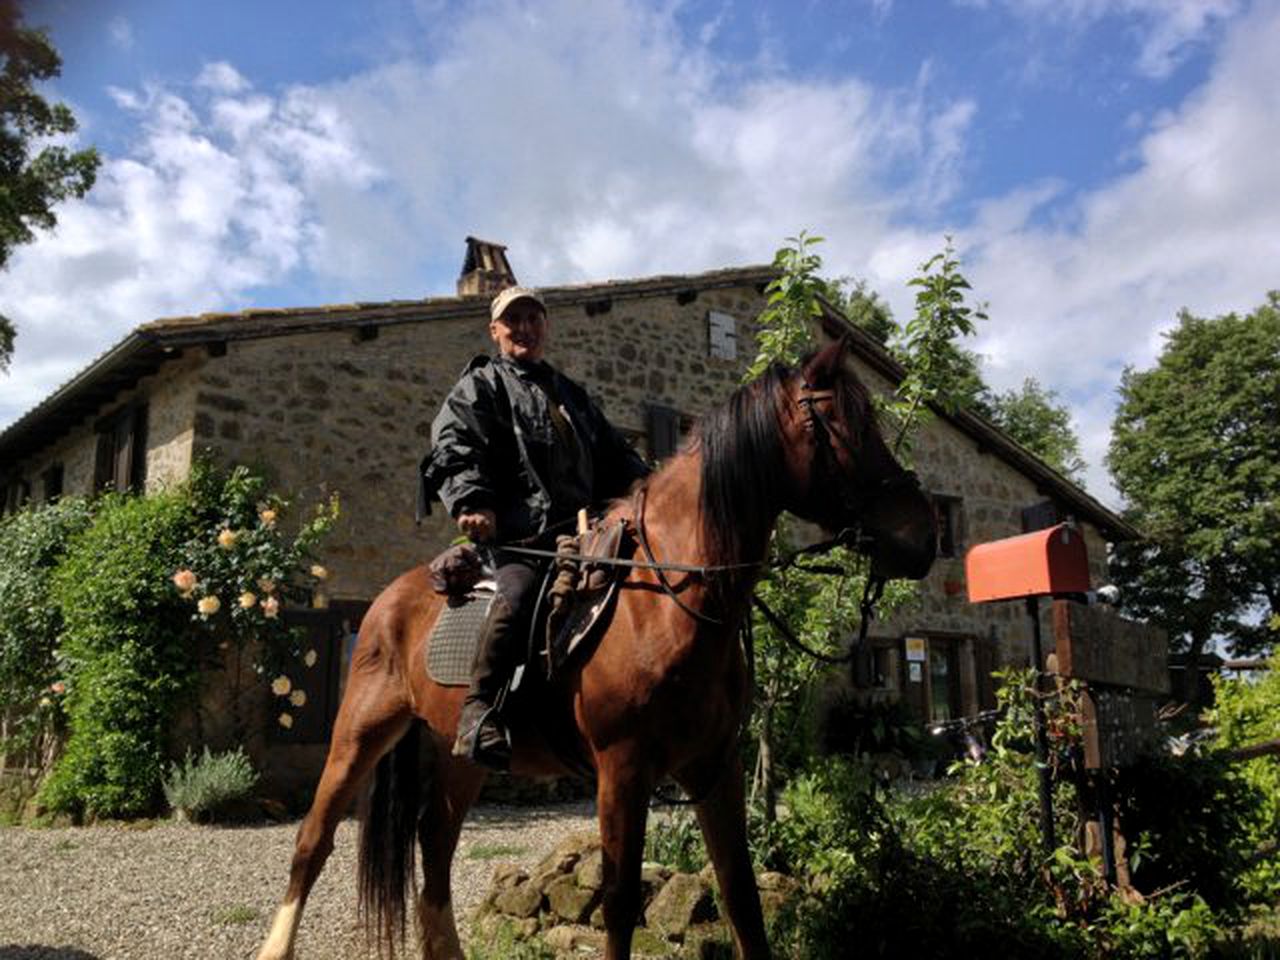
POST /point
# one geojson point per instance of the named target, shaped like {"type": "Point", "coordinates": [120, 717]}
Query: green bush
{"type": "Point", "coordinates": [674, 839]}
{"type": "Point", "coordinates": [1247, 711]}
{"type": "Point", "coordinates": [154, 591]}
{"type": "Point", "coordinates": [124, 653]}
{"type": "Point", "coordinates": [203, 786]}
{"type": "Point", "coordinates": [959, 869]}
{"type": "Point", "coordinates": [32, 543]}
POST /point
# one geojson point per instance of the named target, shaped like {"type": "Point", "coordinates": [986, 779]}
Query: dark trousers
{"type": "Point", "coordinates": [503, 643]}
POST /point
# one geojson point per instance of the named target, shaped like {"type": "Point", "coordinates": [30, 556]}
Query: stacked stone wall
{"type": "Point", "coordinates": [169, 395]}
{"type": "Point", "coordinates": [326, 412]}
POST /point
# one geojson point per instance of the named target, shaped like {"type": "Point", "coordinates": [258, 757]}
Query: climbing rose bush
{"type": "Point", "coordinates": [243, 567]}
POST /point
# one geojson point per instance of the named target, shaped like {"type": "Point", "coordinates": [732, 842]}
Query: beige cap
{"type": "Point", "coordinates": [509, 296]}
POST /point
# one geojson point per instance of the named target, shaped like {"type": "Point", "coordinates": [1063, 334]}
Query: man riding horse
{"type": "Point", "coordinates": [517, 449]}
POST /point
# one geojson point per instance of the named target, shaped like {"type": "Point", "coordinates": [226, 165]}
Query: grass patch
{"type": "Point", "coordinates": [235, 916]}
{"type": "Point", "coordinates": [492, 851]}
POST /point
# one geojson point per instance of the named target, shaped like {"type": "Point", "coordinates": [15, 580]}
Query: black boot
{"type": "Point", "coordinates": [482, 736]}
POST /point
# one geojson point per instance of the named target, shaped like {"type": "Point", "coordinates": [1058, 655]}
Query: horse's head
{"type": "Point", "coordinates": [843, 474]}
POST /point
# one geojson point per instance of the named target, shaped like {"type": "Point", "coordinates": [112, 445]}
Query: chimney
{"type": "Point", "coordinates": [486, 270]}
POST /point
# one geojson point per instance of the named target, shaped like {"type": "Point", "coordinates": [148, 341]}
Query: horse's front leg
{"type": "Point", "coordinates": [722, 814]}
{"type": "Point", "coordinates": [622, 796]}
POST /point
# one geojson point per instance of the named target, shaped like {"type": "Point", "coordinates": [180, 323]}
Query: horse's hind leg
{"type": "Point", "coordinates": [722, 816]}
{"type": "Point", "coordinates": [362, 734]}
{"type": "Point", "coordinates": [454, 786]}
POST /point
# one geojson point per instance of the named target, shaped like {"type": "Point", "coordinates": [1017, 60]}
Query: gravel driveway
{"type": "Point", "coordinates": [170, 890]}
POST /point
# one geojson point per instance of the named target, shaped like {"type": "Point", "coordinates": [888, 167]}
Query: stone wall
{"type": "Point", "coordinates": [328, 413]}
{"type": "Point", "coordinates": [169, 395]}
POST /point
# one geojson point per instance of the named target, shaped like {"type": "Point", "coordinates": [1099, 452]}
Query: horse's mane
{"type": "Point", "coordinates": [744, 460]}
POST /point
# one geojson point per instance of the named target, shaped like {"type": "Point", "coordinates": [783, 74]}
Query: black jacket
{"type": "Point", "coordinates": [494, 443]}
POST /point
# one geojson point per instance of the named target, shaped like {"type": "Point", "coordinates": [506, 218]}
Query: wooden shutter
{"type": "Point", "coordinates": [664, 431]}
{"type": "Point", "coordinates": [138, 450]}
{"type": "Point", "coordinates": [104, 460]}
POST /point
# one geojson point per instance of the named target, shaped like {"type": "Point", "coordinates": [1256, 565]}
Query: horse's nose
{"type": "Point", "coordinates": [896, 558]}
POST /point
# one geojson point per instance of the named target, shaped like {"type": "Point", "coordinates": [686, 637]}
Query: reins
{"type": "Point", "coordinates": [870, 597]}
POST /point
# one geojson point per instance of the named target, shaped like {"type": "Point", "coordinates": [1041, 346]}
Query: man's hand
{"type": "Point", "coordinates": [479, 526]}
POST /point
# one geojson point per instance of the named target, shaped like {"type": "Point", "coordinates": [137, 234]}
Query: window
{"type": "Point", "coordinates": [16, 495]}
{"type": "Point", "coordinates": [666, 427]}
{"type": "Point", "coordinates": [950, 534]}
{"type": "Point", "coordinates": [121, 462]}
{"type": "Point", "coordinates": [51, 479]}
{"type": "Point", "coordinates": [722, 334]}
{"type": "Point", "coordinates": [932, 688]}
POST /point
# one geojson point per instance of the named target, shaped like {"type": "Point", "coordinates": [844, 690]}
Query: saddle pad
{"type": "Point", "coordinates": [452, 647]}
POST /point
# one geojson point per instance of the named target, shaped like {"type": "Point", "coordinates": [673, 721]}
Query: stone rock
{"type": "Point", "coordinates": [520, 901]}
{"type": "Point", "coordinates": [508, 875]}
{"type": "Point", "coordinates": [590, 871]}
{"type": "Point", "coordinates": [647, 943]}
{"type": "Point", "coordinates": [569, 851]}
{"type": "Point", "coordinates": [569, 901]}
{"type": "Point", "coordinates": [772, 902]}
{"type": "Point", "coordinates": [568, 939]}
{"type": "Point", "coordinates": [685, 899]}
{"type": "Point", "coordinates": [772, 880]}
{"type": "Point", "coordinates": [495, 925]}
{"type": "Point", "coordinates": [708, 876]}
{"type": "Point", "coordinates": [652, 878]}
{"type": "Point", "coordinates": [597, 918]}
{"type": "Point", "coordinates": [707, 941]}
{"type": "Point", "coordinates": [562, 860]}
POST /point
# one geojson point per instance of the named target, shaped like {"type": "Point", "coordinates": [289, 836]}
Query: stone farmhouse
{"type": "Point", "coordinates": [341, 398]}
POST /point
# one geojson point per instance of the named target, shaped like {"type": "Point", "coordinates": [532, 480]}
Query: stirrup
{"type": "Point", "coordinates": [487, 742]}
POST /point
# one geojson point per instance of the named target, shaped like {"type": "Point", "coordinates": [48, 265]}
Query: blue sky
{"type": "Point", "coordinates": [1100, 163]}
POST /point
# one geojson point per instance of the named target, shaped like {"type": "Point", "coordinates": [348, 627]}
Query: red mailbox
{"type": "Point", "coordinates": [1038, 564]}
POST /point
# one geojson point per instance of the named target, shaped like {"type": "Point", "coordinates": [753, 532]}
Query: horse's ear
{"type": "Point", "coordinates": [826, 363]}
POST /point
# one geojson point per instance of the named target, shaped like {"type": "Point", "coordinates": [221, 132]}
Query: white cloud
{"type": "Point", "coordinates": [120, 32]}
{"type": "Point", "coordinates": [221, 77]}
{"type": "Point", "coordinates": [1167, 30]}
{"type": "Point", "coordinates": [1195, 225]}
{"type": "Point", "coordinates": [211, 202]}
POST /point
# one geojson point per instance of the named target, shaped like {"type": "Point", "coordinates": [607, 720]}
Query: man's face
{"type": "Point", "coordinates": [521, 331]}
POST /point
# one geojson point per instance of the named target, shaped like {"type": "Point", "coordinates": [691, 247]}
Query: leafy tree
{"type": "Point", "coordinates": [822, 611]}
{"type": "Point", "coordinates": [1032, 416]}
{"type": "Point", "coordinates": [939, 372]}
{"type": "Point", "coordinates": [792, 305]}
{"type": "Point", "coordinates": [862, 306]}
{"type": "Point", "coordinates": [36, 171]}
{"type": "Point", "coordinates": [1194, 451]}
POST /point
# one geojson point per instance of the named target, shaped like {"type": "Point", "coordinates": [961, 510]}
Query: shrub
{"type": "Point", "coordinates": [32, 542]}
{"type": "Point", "coordinates": [1247, 712]}
{"type": "Point", "coordinates": [674, 840]}
{"type": "Point", "coordinates": [151, 593]}
{"type": "Point", "coordinates": [238, 569]}
{"type": "Point", "coordinates": [123, 653]}
{"type": "Point", "coordinates": [203, 786]}
{"type": "Point", "coordinates": [960, 870]}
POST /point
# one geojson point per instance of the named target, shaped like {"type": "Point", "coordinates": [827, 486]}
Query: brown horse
{"type": "Point", "coordinates": [664, 691]}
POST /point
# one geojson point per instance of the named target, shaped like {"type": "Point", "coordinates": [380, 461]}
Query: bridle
{"type": "Point", "coordinates": [826, 470]}
{"type": "Point", "coordinates": [852, 505]}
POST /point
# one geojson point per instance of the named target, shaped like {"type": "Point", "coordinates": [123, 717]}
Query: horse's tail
{"type": "Point", "coordinates": [387, 839]}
